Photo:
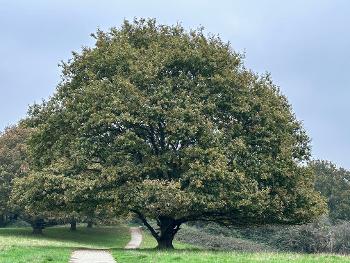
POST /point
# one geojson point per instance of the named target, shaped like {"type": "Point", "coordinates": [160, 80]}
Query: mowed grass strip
{"type": "Point", "coordinates": [19, 245]}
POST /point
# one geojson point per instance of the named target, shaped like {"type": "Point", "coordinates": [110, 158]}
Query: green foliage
{"type": "Point", "coordinates": [170, 125]}
{"type": "Point", "coordinates": [13, 163]}
{"type": "Point", "coordinates": [52, 195]}
{"type": "Point", "coordinates": [334, 184]}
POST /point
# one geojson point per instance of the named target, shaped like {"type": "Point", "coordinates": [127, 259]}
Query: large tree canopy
{"type": "Point", "coordinates": [174, 127]}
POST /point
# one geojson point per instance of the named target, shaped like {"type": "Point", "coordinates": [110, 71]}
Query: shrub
{"type": "Point", "coordinates": [322, 236]}
{"type": "Point", "coordinates": [217, 241]}
{"type": "Point", "coordinates": [341, 238]}
{"type": "Point", "coordinates": [310, 238]}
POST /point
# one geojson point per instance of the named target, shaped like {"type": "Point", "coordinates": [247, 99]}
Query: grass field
{"type": "Point", "coordinates": [18, 245]}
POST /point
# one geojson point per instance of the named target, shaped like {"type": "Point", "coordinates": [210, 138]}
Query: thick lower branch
{"type": "Point", "coordinates": [145, 222]}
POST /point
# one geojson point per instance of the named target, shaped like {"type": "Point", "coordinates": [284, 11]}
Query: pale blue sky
{"type": "Point", "coordinates": [305, 44]}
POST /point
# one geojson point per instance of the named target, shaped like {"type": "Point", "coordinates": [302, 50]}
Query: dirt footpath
{"type": "Point", "coordinates": [91, 256]}
{"type": "Point", "coordinates": [136, 238]}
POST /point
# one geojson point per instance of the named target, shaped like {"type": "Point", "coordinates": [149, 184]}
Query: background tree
{"type": "Point", "coordinates": [21, 194]}
{"type": "Point", "coordinates": [334, 185]}
{"type": "Point", "coordinates": [174, 127]}
{"type": "Point", "coordinates": [55, 195]}
{"type": "Point", "coordinates": [13, 164]}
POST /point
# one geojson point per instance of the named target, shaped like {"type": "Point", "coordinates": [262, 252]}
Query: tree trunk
{"type": "Point", "coordinates": [89, 224]}
{"type": "Point", "coordinates": [73, 225]}
{"type": "Point", "coordinates": [2, 220]}
{"type": "Point", "coordinates": [168, 229]}
{"type": "Point", "coordinates": [38, 226]}
{"type": "Point", "coordinates": [37, 231]}
{"type": "Point", "coordinates": [165, 242]}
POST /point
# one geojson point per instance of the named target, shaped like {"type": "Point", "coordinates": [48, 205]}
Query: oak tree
{"type": "Point", "coordinates": [172, 127]}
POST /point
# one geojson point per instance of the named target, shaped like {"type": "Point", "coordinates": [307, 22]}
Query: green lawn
{"type": "Point", "coordinates": [18, 245]}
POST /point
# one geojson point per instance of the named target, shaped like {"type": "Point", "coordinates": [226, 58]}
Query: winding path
{"type": "Point", "coordinates": [104, 256]}
{"type": "Point", "coordinates": [136, 238]}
